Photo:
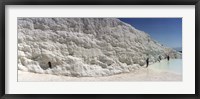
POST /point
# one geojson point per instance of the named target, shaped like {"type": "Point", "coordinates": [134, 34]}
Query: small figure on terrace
{"type": "Point", "coordinates": [147, 62]}
{"type": "Point", "coordinates": [160, 58]}
{"type": "Point", "coordinates": [49, 64]}
{"type": "Point", "coordinates": [168, 57]}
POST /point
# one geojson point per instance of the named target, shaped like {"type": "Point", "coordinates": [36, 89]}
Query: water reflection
{"type": "Point", "coordinates": [174, 65]}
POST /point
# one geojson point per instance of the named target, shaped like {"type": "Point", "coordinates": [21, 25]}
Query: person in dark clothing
{"type": "Point", "coordinates": [147, 62]}
{"type": "Point", "coordinates": [49, 64]}
{"type": "Point", "coordinates": [168, 57]}
{"type": "Point", "coordinates": [159, 58]}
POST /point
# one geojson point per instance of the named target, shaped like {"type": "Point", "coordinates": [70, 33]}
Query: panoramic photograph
{"type": "Point", "coordinates": [61, 49]}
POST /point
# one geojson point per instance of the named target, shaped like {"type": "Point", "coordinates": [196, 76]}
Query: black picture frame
{"type": "Point", "coordinates": [98, 2]}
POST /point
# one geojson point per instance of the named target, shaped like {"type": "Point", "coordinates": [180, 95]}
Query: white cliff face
{"type": "Point", "coordinates": [84, 46]}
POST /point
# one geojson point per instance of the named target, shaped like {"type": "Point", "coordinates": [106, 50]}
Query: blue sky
{"type": "Point", "coordinates": [167, 31]}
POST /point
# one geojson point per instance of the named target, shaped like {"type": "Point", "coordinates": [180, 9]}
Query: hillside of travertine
{"type": "Point", "coordinates": [85, 46]}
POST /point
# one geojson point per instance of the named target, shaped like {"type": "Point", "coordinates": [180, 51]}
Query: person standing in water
{"type": "Point", "coordinates": [49, 64]}
{"type": "Point", "coordinates": [168, 57]}
{"type": "Point", "coordinates": [147, 62]}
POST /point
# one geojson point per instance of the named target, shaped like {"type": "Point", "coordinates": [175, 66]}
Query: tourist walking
{"type": "Point", "coordinates": [147, 62]}
{"type": "Point", "coordinates": [160, 58]}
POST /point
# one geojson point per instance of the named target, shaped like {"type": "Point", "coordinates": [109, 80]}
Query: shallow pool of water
{"type": "Point", "coordinates": [174, 65]}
